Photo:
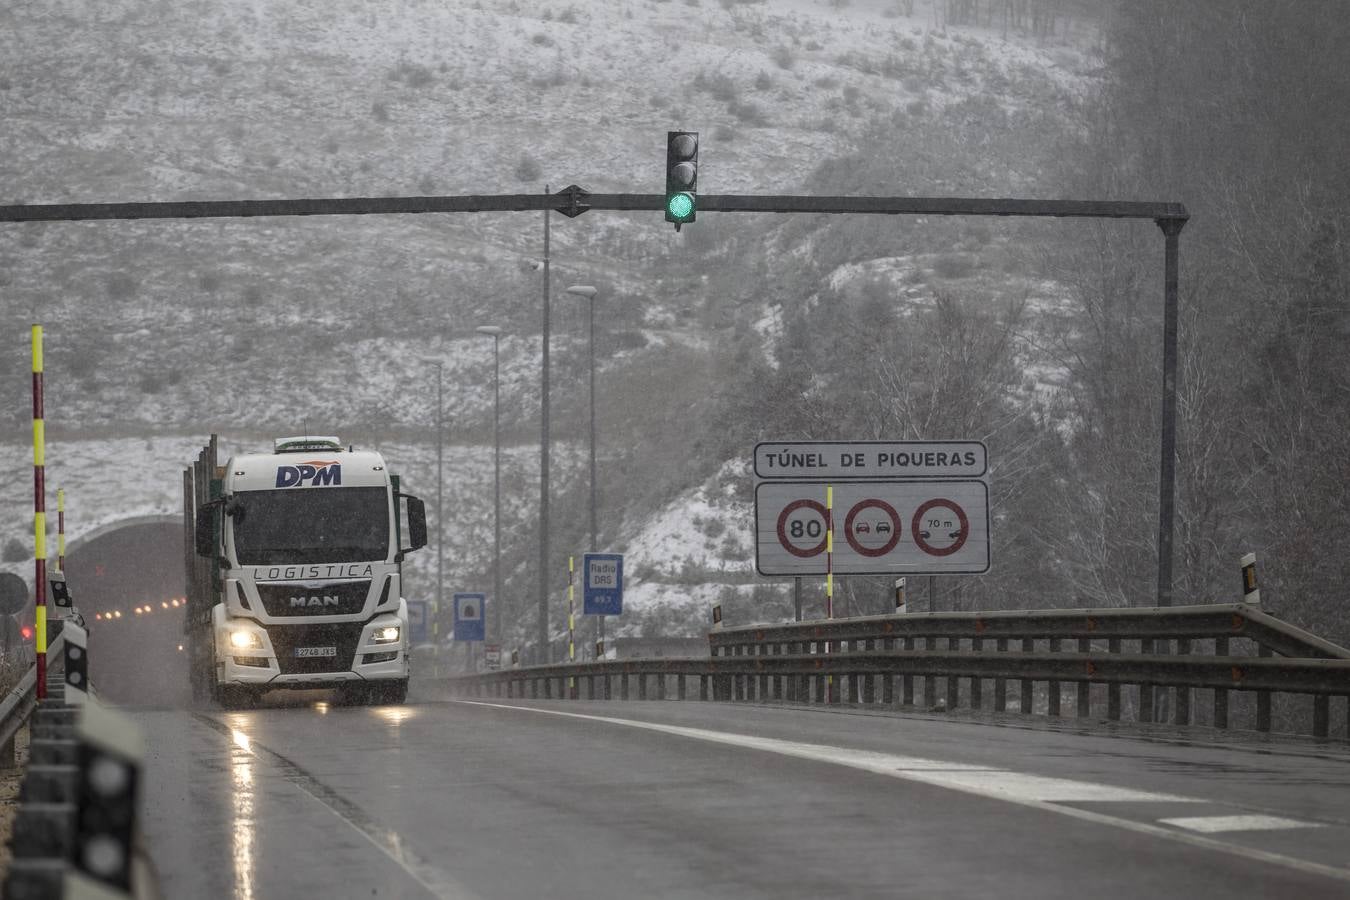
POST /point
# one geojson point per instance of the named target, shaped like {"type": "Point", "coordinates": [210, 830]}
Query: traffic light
{"type": "Point", "coordinates": [681, 177]}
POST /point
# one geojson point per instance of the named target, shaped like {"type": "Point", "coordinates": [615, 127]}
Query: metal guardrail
{"type": "Point", "coordinates": [19, 703]}
{"type": "Point", "coordinates": [876, 659]}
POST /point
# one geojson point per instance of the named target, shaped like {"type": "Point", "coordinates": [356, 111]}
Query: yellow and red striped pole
{"type": "Point", "coordinates": [39, 518]}
{"type": "Point", "coordinates": [60, 529]}
{"type": "Point", "coordinates": [829, 575]}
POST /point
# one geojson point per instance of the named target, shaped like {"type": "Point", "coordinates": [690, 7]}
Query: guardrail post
{"type": "Point", "coordinates": [1321, 715]}
{"type": "Point", "coordinates": [888, 679]}
{"type": "Point", "coordinates": [1221, 694]}
{"type": "Point", "coordinates": [929, 682]}
{"type": "Point", "coordinates": [1027, 699]}
{"type": "Point", "coordinates": [1263, 698]}
{"type": "Point", "coordinates": [703, 687]}
{"type": "Point", "coordinates": [642, 685]}
{"type": "Point", "coordinates": [1052, 698]}
{"type": "Point", "coordinates": [869, 691]}
{"type": "Point", "coordinates": [1113, 690]}
{"type": "Point", "coordinates": [976, 682]}
{"type": "Point", "coordinates": [907, 681]}
{"type": "Point", "coordinates": [679, 687]}
{"type": "Point", "coordinates": [1001, 684]}
{"type": "Point", "coordinates": [623, 685]}
{"type": "Point", "coordinates": [1083, 693]}
{"type": "Point", "coordinates": [803, 681]}
{"type": "Point", "coordinates": [1146, 690]}
{"type": "Point", "coordinates": [953, 682]}
{"type": "Point", "coordinates": [534, 688]}
{"type": "Point", "coordinates": [763, 692]}
{"type": "Point", "coordinates": [779, 682]}
{"type": "Point", "coordinates": [548, 688]}
{"type": "Point", "coordinates": [1183, 693]}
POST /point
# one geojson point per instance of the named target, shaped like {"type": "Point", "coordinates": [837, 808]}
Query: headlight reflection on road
{"type": "Point", "coordinates": [242, 823]}
{"type": "Point", "coordinates": [394, 715]}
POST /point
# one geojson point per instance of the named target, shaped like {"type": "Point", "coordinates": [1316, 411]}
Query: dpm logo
{"type": "Point", "coordinates": [316, 472]}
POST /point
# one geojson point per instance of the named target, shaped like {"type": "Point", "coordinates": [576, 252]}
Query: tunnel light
{"type": "Point", "coordinates": [118, 614]}
{"type": "Point", "coordinates": [180, 648]}
{"type": "Point", "coordinates": [164, 603]}
{"type": "Point", "coordinates": [139, 610]}
{"type": "Point", "coordinates": [174, 601]}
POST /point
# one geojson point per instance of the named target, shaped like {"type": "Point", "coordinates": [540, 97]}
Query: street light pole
{"type": "Point", "coordinates": [440, 482]}
{"type": "Point", "coordinates": [589, 292]}
{"type": "Point", "coordinates": [545, 655]}
{"type": "Point", "coordinates": [496, 334]}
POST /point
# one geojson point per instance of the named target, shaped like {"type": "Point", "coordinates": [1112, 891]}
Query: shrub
{"type": "Point", "coordinates": [121, 286]}
{"type": "Point", "coordinates": [15, 550]}
{"type": "Point", "coordinates": [528, 169]}
{"type": "Point", "coordinates": [953, 265]}
{"type": "Point", "coordinates": [541, 40]}
{"type": "Point", "coordinates": [748, 113]}
{"type": "Point", "coordinates": [379, 111]}
{"type": "Point", "coordinates": [763, 82]}
{"type": "Point", "coordinates": [783, 57]}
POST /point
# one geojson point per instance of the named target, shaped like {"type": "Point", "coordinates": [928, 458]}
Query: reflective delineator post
{"type": "Point", "coordinates": [60, 529]}
{"type": "Point", "coordinates": [39, 519]}
{"type": "Point", "coordinates": [1251, 592]}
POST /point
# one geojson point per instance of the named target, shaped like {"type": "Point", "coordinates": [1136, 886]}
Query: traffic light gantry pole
{"type": "Point", "coordinates": [573, 201]}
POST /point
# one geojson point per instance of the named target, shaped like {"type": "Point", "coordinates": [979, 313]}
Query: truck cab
{"type": "Point", "coordinates": [308, 544]}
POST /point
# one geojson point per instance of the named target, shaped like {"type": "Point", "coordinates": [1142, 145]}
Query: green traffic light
{"type": "Point", "coordinates": [680, 206]}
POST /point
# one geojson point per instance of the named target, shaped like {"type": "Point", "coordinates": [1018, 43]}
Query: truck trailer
{"type": "Point", "coordinates": [294, 573]}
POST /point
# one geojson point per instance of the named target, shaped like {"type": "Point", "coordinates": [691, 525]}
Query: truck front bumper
{"type": "Point", "coordinates": [283, 660]}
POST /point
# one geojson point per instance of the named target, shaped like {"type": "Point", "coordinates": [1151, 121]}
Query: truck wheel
{"type": "Point", "coordinates": [392, 693]}
{"type": "Point", "coordinates": [233, 696]}
{"type": "Point", "coordinates": [358, 694]}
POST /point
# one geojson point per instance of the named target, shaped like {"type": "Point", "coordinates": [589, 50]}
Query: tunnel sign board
{"type": "Point", "coordinates": [835, 461]}
{"type": "Point", "coordinates": [880, 527]}
{"type": "Point", "coordinates": [469, 617]}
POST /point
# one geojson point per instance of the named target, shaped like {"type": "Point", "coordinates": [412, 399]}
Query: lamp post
{"type": "Point", "coordinates": [589, 292]}
{"type": "Point", "coordinates": [495, 333]}
{"type": "Point", "coordinates": [440, 481]}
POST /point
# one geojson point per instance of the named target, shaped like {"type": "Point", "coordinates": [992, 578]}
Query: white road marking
{"type": "Point", "coordinates": [1215, 824]}
{"type": "Point", "coordinates": [1035, 791]}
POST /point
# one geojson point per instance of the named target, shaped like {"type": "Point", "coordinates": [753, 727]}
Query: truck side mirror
{"type": "Point", "coordinates": [417, 524]}
{"type": "Point", "coordinates": [206, 530]}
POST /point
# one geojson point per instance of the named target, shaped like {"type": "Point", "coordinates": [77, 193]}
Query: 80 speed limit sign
{"type": "Point", "coordinates": [886, 527]}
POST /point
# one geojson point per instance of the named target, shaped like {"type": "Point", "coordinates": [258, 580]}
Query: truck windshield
{"type": "Point", "coordinates": [311, 526]}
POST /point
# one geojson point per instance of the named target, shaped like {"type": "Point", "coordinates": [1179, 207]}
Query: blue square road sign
{"type": "Point", "coordinates": [469, 616]}
{"type": "Point", "coordinates": [602, 584]}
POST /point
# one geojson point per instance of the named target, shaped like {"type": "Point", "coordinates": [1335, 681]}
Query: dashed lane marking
{"type": "Point", "coordinates": [1035, 791]}
{"type": "Point", "coordinates": [386, 840]}
{"type": "Point", "coordinates": [1216, 824]}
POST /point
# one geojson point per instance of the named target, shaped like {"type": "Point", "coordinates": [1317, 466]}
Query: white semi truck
{"type": "Point", "coordinates": [296, 581]}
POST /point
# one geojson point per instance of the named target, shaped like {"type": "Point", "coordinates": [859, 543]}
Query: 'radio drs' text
{"type": "Point", "coordinates": [315, 473]}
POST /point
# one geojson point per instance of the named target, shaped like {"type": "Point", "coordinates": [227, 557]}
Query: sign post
{"type": "Point", "coordinates": [39, 518]}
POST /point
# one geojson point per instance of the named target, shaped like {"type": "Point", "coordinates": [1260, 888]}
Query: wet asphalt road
{"type": "Point", "coordinates": [511, 799]}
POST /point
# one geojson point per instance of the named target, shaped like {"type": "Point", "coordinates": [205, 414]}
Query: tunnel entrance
{"type": "Point", "coordinates": [136, 564]}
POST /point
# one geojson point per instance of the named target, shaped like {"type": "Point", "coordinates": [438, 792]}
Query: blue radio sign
{"type": "Point", "coordinates": [602, 584]}
{"type": "Point", "coordinates": [469, 617]}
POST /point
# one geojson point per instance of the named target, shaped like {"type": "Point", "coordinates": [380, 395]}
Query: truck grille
{"type": "Point", "coordinates": [343, 636]}
{"type": "Point", "coordinates": [344, 599]}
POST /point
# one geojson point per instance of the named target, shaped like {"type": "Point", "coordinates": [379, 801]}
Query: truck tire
{"type": "Point", "coordinates": [353, 694]}
{"type": "Point", "coordinates": [392, 693]}
{"type": "Point", "coordinates": [234, 696]}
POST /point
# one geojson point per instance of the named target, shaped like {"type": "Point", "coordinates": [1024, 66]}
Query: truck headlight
{"type": "Point", "coordinates": [386, 635]}
{"type": "Point", "coordinates": [246, 640]}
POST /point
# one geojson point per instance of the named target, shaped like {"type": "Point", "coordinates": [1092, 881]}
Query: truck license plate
{"type": "Point", "coordinates": [303, 652]}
